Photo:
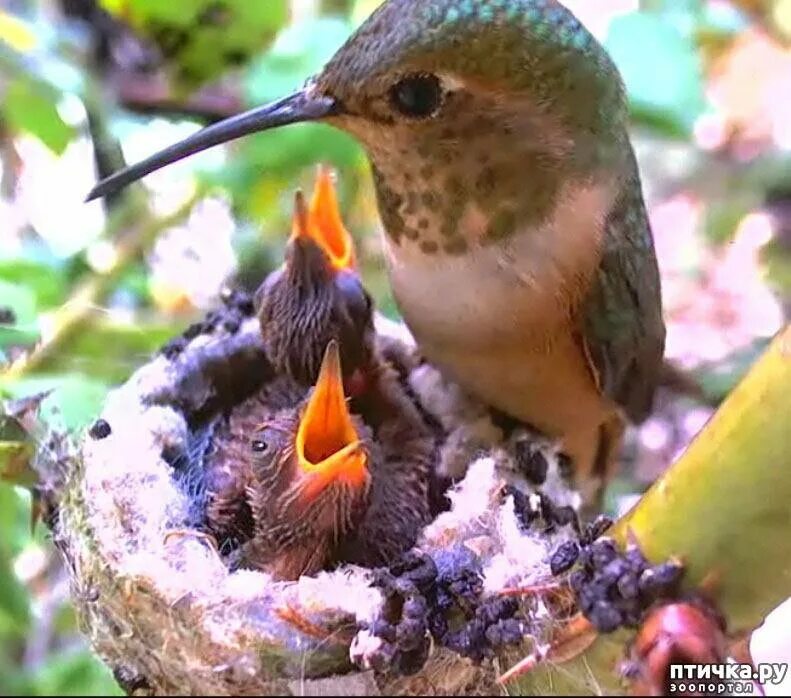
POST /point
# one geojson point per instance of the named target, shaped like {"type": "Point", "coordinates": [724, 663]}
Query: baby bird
{"type": "Point", "coordinates": [226, 459]}
{"type": "Point", "coordinates": [305, 484]}
{"type": "Point", "coordinates": [317, 295]}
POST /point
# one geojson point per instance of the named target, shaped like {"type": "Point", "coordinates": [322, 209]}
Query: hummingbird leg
{"type": "Point", "coordinates": [608, 448]}
{"type": "Point", "coordinates": [506, 423]}
{"type": "Point", "coordinates": [593, 455]}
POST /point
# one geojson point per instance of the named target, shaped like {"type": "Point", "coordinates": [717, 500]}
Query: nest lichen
{"type": "Point", "coordinates": [158, 601]}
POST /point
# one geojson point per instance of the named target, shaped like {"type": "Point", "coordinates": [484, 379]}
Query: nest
{"type": "Point", "coordinates": [162, 608]}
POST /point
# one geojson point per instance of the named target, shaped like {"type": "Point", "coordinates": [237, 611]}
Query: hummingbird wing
{"type": "Point", "coordinates": [622, 325]}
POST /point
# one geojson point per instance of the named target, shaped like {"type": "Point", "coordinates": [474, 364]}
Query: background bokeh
{"type": "Point", "coordinates": [89, 291]}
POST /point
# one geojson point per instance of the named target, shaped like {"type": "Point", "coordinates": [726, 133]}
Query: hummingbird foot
{"type": "Point", "coordinates": [505, 422]}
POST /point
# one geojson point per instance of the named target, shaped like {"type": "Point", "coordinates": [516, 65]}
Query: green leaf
{"type": "Point", "coordinates": [109, 352]}
{"type": "Point", "coordinates": [31, 107]}
{"type": "Point", "coordinates": [14, 519]}
{"type": "Point", "coordinates": [20, 299]}
{"type": "Point", "coordinates": [18, 336]}
{"type": "Point", "coordinates": [720, 378]}
{"type": "Point", "coordinates": [75, 674]}
{"type": "Point", "coordinates": [662, 71]}
{"type": "Point", "coordinates": [44, 281]}
{"type": "Point", "coordinates": [201, 39]}
{"type": "Point", "coordinates": [22, 302]}
{"type": "Point", "coordinates": [14, 605]}
{"type": "Point", "coordinates": [12, 682]}
{"type": "Point", "coordinates": [299, 52]}
{"type": "Point", "coordinates": [777, 259]}
{"type": "Point", "coordinates": [74, 402]}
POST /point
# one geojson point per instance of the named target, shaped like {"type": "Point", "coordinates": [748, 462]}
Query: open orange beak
{"type": "Point", "coordinates": [328, 446]}
{"type": "Point", "coordinates": [322, 223]}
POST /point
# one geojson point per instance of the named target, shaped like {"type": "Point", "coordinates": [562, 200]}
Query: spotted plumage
{"type": "Point", "coordinates": [516, 236]}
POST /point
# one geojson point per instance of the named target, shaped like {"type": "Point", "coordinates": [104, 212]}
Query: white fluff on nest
{"type": "Point", "coordinates": [136, 516]}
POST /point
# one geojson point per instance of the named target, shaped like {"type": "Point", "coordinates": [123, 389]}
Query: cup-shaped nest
{"type": "Point", "coordinates": [163, 608]}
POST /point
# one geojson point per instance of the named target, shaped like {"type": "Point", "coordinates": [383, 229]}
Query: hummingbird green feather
{"type": "Point", "coordinates": [516, 236]}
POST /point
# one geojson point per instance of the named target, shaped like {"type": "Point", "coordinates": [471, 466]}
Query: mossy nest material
{"type": "Point", "coordinates": [161, 607]}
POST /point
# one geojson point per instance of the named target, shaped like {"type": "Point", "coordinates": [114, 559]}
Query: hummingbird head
{"type": "Point", "coordinates": [311, 475]}
{"type": "Point", "coordinates": [317, 295]}
{"type": "Point", "coordinates": [475, 113]}
{"type": "Point", "coordinates": [492, 104]}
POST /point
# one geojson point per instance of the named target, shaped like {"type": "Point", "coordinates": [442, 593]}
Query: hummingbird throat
{"type": "Point", "coordinates": [471, 179]}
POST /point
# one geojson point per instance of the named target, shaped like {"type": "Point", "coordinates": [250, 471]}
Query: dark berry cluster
{"type": "Point", "coordinates": [404, 622]}
{"type": "Point", "coordinates": [236, 299]}
{"type": "Point", "coordinates": [541, 509]}
{"type": "Point", "coordinates": [237, 305]}
{"type": "Point", "coordinates": [531, 462]}
{"type": "Point", "coordinates": [7, 315]}
{"type": "Point", "coordinates": [100, 429]}
{"type": "Point", "coordinates": [493, 625]}
{"type": "Point", "coordinates": [440, 598]}
{"type": "Point", "coordinates": [613, 589]}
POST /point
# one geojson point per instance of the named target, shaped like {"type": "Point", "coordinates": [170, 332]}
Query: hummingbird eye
{"type": "Point", "coordinates": [418, 96]}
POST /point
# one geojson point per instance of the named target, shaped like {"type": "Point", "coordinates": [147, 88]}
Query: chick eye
{"type": "Point", "coordinates": [259, 446]}
{"type": "Point", "coordinates": [418, 96]}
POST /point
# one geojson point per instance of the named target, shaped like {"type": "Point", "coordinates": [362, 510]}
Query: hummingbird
{"type": "Point", "coordinates": [303, 483]}
{"type": "Point", "coordinates": [317, 295]}
{"type": "Point", "coordinates": [222, 463]}
{"type": "Point", "coordinates": [516, 236]}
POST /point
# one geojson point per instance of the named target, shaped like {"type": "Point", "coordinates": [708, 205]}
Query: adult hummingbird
{"type": "Point", "coordinates": [515, 230]}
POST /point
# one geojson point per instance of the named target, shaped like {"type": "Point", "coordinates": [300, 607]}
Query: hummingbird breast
{"type": "Point", "coordinates": [493, 216]}
{"type": "Point", "coordinates": [501, 319]}
{"type": "Point", "coordinates": [524, 285]}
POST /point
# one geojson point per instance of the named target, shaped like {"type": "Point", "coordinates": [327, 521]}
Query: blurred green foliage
{"type": "Point", "coordinates": [202, 39]}
{"type": "Point", "coordinates": [55, 54]}
{"type": "Point", "coordinates": [62, 667]}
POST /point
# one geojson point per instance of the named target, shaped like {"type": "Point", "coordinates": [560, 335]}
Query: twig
{"type": "Point", "coordinates": [107, 152]}
{"type": "Point", "coordinates": [144, 94]}
{"type": "Point", "coordinates": [335, 7]}
{"type": "Point", "coordinates": [89, 293]}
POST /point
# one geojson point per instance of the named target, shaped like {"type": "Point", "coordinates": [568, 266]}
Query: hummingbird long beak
{"type": "Point", "coordinates": [328, 446]}
{"type": "Point", "coordinates": [299, 107]}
